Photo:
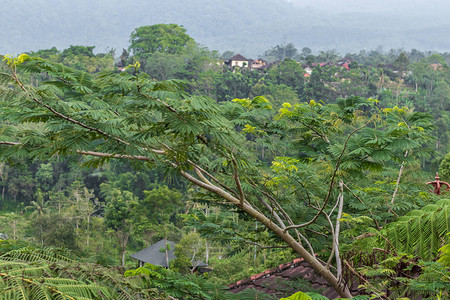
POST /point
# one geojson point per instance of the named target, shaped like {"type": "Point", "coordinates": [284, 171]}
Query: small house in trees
{"type": "Point", "coordinates": [308, 70]}
{"type": "Point", "coordinates": [158, 254]}
{"type": "Point", "coordinates": [242, 62]}
{"type": "Point", "coordinates": [238, 61]}
{"type": "Point", "coordinates": [345, 62]}
{"type": "Point", "coordinates": [257, 64]}
{"type": "Point", "coordinates": [161, 253]}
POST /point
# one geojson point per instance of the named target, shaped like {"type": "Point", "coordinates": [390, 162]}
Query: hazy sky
{"type": "Point", "coordinates": [246, 26]}
{"type": "Point", "coordinates": [429, 6]}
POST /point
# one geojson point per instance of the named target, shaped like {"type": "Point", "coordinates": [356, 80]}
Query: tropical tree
{"type": "Point", "coordinates": [119, 209]}
{"type": "Point", "coordinates": [44, 177]}
{"type": "Point", "coordinates": [161, 203]}
{"type": "Point", "coordinates": [126, 116]}
{"type": "Point", "coordinates": [39, 206]}
{"type": "Point", "coordinates": [78, 51]}
{"type": "Point", "coordinates": [189, 253]}
{"type": "Point", "coordinates": [444, 168]}
{"type": "Point", "coordinates": [289, 73]}
{"type": "Point", "coordinates": [165, 38]}
{"type": "Point", "coordinates": [280, 52]}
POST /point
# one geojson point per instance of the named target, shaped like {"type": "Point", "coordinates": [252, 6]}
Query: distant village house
{"type": "Point", "coordinates": [242, 62]}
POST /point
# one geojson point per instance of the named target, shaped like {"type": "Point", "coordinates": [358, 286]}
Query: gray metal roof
{"type": "Point", "coordinates": [153, 254]}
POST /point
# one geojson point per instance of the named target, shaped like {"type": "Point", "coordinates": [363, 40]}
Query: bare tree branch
{"type": "Point", "coordinates": [264, 247]}
{"type": "Point", "coordinates": [273, 212]}
{"type": "Point", "coordinates": [9, 143]}
{"type": "Point", "coordinates": [337, 229]}
{"type": "Point", "coordinates": [102, 154]}
{"type": "Point", "coordinates": [213, 178]}
{"type": "Point", "coordinates": [375, 290]}
{"type": "Point", "coordinates": [397, 184]}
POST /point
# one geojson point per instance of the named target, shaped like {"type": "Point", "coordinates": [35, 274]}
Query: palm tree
{"type": "Point", "coordinates": [40, 206]}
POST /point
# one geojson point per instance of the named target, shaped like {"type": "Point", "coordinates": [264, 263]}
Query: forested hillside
{"type": "Point", "coordinates": [311, 167]}
{"type": "Point", "coordinates": [248, 27]}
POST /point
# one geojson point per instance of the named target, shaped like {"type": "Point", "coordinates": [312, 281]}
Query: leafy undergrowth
{"type": "Point", "coordinates": [49, 273]}
{"type": "Point", "coordinates": [189, 286]}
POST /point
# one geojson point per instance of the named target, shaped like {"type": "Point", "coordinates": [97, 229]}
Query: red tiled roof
{"type": "Point", "coordinates": [271, 281]}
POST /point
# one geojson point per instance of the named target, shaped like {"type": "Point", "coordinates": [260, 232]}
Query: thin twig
{"type": "Point", "coordinates": [337, 229]}
{"type": "Point", "coordinates": [273, 212]}
{"type": "Point", "coordinates": [363, 279]}
{"type": "Point", "coordinates": [264, 247]}
{"type": "Point", "coordinates": [397, 184]}
{"type": "Point", "coordinates": [9, 143]}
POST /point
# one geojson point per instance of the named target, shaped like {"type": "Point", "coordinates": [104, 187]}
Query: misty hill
{"type": "Point", "coordinates": [249, 27]}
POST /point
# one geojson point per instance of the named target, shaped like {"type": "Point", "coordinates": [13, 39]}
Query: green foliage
{"type": "Point", "coordinates": [421, 232]}
{"type": "Point", "coordinates": [189, 253]}
{"type": "Point", "coordinates": [434, 281]}
{"type": "Point", "coordinates": [280, 52]}
{"type": "Point", "coordinates": [160, 204]}
{"type": "Point", "coordinates": [402, 62]}
{"type": "Point", "coordinates": [400, 276]}
{"type": "Point", "coordinates": [119, 208]}
{"type": "Point", "coordinates": [315, 296]}
{"type": "Point", "coordinates": [445, 254]}
{"type": "Point", "coordinates": [44, 177]}
{"type": "Point", "coordinates": [188, 286]}
{"type": "Point", "coordinates": [298, 296]}
{"type": "Point", "coordinates": [119, 213]}
{"type": "Point", "coordinates": [48, 273]}
{"type": "Point", "coordinates": [54, 230]}
{"type": "Point", "coordinates": [165, 38]}
{"type": "Point", "coordinates": [289, 73]}
{"type": "Point", "coordinates": [78, 51]}
{"type": "Point", "coordinates": [46, 53]}
{"type": "Point", "coordinates": [444, 168]}
{"type": "Point", "coordinates": [217, 146]}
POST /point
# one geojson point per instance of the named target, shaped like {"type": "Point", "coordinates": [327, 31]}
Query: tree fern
{"type": "Point", "coordinates": [421, 232]}
{"type": "Point", "coordinates": [28, 273]}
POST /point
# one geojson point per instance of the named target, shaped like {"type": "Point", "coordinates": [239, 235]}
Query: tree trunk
{"type": "Point", "coordinates": [166, 252]}
{"type": "Point", "coordinates": [397, 184]}
{"type": "Point", "coordinates": [337, 230]}
{"type": "Point", "coordinates": [284, 235]}
{"type": "Point", "coordinates": [122, 239]}
{"type": "Point", "coordinates": [299, 249]}
{"type": "Point", "coordinates": [206, 252]}
{"type": "Point", "coordinates": [87, 232]}
{"type": "Point", "coordinates": [14, 230]}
